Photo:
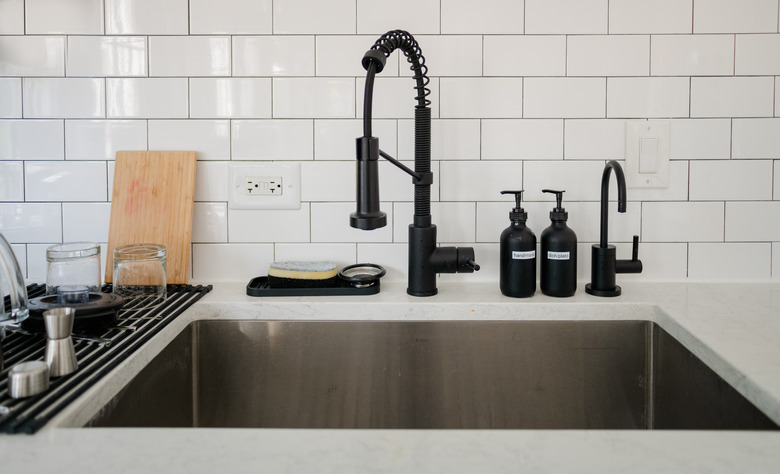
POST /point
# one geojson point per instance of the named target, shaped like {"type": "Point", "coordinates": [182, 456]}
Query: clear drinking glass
{"type": "Point", "coordinates": [73, 271]}
{"type": "Point", "coordinates": [139, 275]}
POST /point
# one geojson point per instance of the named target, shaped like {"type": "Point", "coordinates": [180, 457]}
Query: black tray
{"type": "Point", "coordinates": [258, 286]}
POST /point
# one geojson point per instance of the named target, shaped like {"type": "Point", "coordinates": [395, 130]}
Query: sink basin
{"type": "Point", "coordinates": [432, 374]}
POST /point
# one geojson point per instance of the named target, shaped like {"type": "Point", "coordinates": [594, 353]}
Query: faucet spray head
{"type": "Point", "coordinates": [367, 216]}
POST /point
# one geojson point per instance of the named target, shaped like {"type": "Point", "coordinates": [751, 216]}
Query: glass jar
{"type": "Point", "coordinates": [73, 271]}
{"type": "Point", "coordinates": [139, 275]}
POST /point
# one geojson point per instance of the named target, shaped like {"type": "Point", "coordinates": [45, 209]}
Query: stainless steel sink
{"type": "Point", "coordinates": [434, 374]}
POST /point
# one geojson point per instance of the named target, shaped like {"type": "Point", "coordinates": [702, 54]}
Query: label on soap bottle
{"type": "Point", "coordinates": [558, 255]}
{"type": "Point", "coordinates": [526, 255]}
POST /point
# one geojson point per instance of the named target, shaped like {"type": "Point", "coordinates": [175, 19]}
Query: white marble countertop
{"type": "Point", "coordinates": [734, 328]}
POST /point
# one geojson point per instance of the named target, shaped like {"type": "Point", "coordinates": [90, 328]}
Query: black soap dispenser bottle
{"type": "Point", "coordinates": [518, 254]}
{"type": "Point", "coordinates": [558, 269]}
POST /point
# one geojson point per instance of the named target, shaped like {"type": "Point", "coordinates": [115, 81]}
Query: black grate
{"type": "Point", "coordinates": [97, 354]}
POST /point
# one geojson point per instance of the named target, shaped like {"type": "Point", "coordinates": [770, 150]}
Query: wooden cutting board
{"type": "Point", "coordinates": [152, 203]}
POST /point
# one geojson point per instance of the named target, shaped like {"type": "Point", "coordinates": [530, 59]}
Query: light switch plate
{"type": "Point", "coordinates": [264, 185]}
{"type": "Point", "coordinates": [647, 153]}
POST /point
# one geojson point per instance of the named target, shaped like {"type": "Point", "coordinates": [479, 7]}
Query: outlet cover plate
{"type": "Point", "coordinates": [240, 174]}
{"type": "Point", "coordinates": [647, 153]}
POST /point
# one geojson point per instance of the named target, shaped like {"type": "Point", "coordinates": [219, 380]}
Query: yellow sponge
{"type": "Point", "coordinates": [302, 274]}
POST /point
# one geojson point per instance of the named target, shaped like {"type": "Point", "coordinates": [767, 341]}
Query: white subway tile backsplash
{"type": "Point", "coordinates": [580, 179]}
{"type": "Point", "coordinates": [485, 17]}
{"type": "Point", "coordinates": [209, 222]}
{"type": "Point", "coordinates": [537, 55]}
{"type": "Point", "coordinates": [775, 261]}
{"type": "Point", "coordinates": [330, 223]}
{"type": "Point", "coordinates": [328, 181]}
{"type": "Point", "coordinates": [32, 55]}
{"type": "Point", "coordinates": [478, 180]}
{"type": "Point", "coordinates": [269, 225]}
{"type": "Point", "coordinates": [656, 17]}
{"type": "Point", "coordinates": [147, 98]}
{"type": "Point", "coordinates": [314, 98]}
{"type": "Point", "coordinates": [230, 17]}
{"type": "Point", "coordinates": [209, 138]}
{"type": "Point", "coordinates": [647, 97]}
{"type": "Point", "coordinates": [273, 56]}
{"type": "Point", "coordinates": [31, 223]}
{"type": "Point", "coordinates": [392, 257]}
{"type": "Point", "coordinates": [110, 56]}
{"type": "Point", "coordinates": [451, 55]}
{"type": "Point", "coordinates": [451, 139]}
{"type": "Point", "coordinates": [415, 16]}
{"type": "Point", "coordinates": [65, 181]}
{"type": "Point", "coordinates": [564, 97]}
{"type": "Point", "coordinates": [608, 55]}
{"type": "Point", "coordinates": [732, 96]}
{"type": "Point", "coordinates": [83, 221]}
{"type": "Point", "coordinates": [335, 139]}
{"type": "Point", "coordinates": [731, 180]}
{"type": "Point", "coordinates": [677, 190]}
{"type": "Point", "coordinates": [394, 97]}
{"type": "Point", "coordinates": [486, 97]}
{"type": "Point", "coordinates": [12, 17]}
{"type": "Point", "coordinates": [594, 139]}
{"type": "Point", "coordinates": [36, 261]}
{"type": "Point", "coordinates": [64, 97]}
{"type": "Point", "coordinates": [233, 262]}
{"type": "Point", "coordinates": [211, 181]}
{"type": "Point", "coordinates": [341, 254]}
{"type": "Point", "coordinates": [752, 221]}
{"type": "Point", "coordinates": [758, 55]}
{"type": "Point", "coordinates": [692, 55]}
{"type": "Point", "coordinates": [32, 140]}
{"type": "Point", "coordinates": [566, 17]}
{"type": "Point", "coordinates": [729, 261]}
{"type": "Point", "coordinates": [314, 17]}
{"type": "Point", "coordinates": [728, 16]}
{"type": "Point", "coordinates": [10, 97]}
{"type": "Point", "coordinates": [526, 139]}
{"type": "Point", "coordinates": [342, 55]}
{"type": "Point", "coordinates": [700, 139]}
{"type": "Point", "coordinates": [11, 181]}
{"type": "Point", "coordinates": [147, 17]}
{"type": "Point", "coordinates": [74, 17]}
{"type": "Point", "coordinates": [454, 221]}
{"type": "Point", "coordinates": [101, 139]}
{"type": "Point", "coordinates": [756, 138]}
{"type": "Point", "coordinates": [189, 55]}
{"type": "Point", "coordinates": [682, 222]}
{"type": "Point", "coordinates": [240, 97]}
{"type": "Point", "coordinates": [272, 139]}
{"type": "Point", "coordinates": [660, 261]}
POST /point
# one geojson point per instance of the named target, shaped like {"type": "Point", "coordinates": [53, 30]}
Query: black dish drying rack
{"type": "Point", "coordinates": [98, 352]}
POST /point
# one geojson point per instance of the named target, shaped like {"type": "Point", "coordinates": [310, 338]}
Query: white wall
{"type": "Point", "coordinates": [529, 94]}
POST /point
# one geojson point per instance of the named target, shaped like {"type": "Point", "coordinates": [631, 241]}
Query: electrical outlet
{"type": "Point", "coordinates": [264, 186]}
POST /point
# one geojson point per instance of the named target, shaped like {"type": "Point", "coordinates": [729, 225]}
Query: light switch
{"type": "Point", "coordinates": [647, 153]}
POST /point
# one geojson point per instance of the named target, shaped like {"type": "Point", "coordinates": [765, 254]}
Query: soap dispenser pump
{"type": "Point", "coordinates": [558, 269]}
{"type": "Point", "coordinates": [517, 253]}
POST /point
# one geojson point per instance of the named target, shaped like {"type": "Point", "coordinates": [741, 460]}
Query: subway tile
{"type": "Point", "coordinates": [75, 17]}
{"type": "Point", "coordinates": [314, 98]}
{"type": "Point", "coordinates": [269, 225]}
{"type": "Point", "coordinates": [341, 254]}
{"type": "Point", "coordinates": [32, 140]}
{"type": "Point", "coordinates": [342, 56]}
{"type": "Point", "coordinates": [451, 139]}
{"type": "Point", "coordinates": [729, 261]}
{"type": "Point", "coordinates": [189, 55]}
{"type": "Point", "coordinates": [65, 181]}
{"type": "Point", "coordinates": [230, 17]}
{"type": "Point", "coordinates": [209, 138]}
{"type": "Point", "coordinates": [330, 223]}
{"type": "Point", "coordinates": [487, 258]}
{"type": "Point", "coordinates": [455, 221]}
{"type": "Point", "coordinates": [64, 98]}
{"type": "Point", "coordinates": [776, 181]}
{"type": "Point", "coordinates": [328, 181]}
{"type": "Point", "coordinates": [777, 97]}
{"type": "Point", "coordinates": [83, 221]}
{"type": "Point", "coordinates": [728, 16]}
{"type": "Point", "coordinates": [209, 222]}
{"type": "Point", "coordinates": [529, 139]}
{"type": "Point", "coordinates": [538, 55]}
{"type": "Point", "coordinates": [594, 139]}
{"type": "Point", "coordinates": [272, 139]}
{"type": "Point", "coordinates": [92, 56]}
{"type": "Point", "coordinates": [677, 190]}
{"type": "Point", "coordinates": [10, 97]}
{"type": "Point", "coordinates": [394, 97]}
{"type": "Point", "coordinates": [147, 98]}
{"type": "Point", "coordinates": [451, 55]}
{"type": "Point", "coordinates": [101, 139]}
{"type": "Point", "coordinates": [661, 261]}
{"type": "Point", "coordinates": [30, 223]}
{"type": "Point", "coordinates": [731, 180]}
{"type": "Point", "coordinates": [608, 55]}
{"type": "Point", "coordinates": [775, 261]}
{"type": "Point", "coordinates": [147, 17]}
{"type": "Point", "coordinates": [478, 180]}
{"type": "Point", "coordinates": [211, 181]}
{"type": "Point", "coordinates": [12, 17]}
{"type": "Point", "coordinates": [564, 97]}
{"type": "Point", "coordinates": [395, 185]}
{"type": "Point", "coordinates": [692, 55]}
{"type": "Point", "coordinates": [753, 221]}
{"type": "Point", "coordinates": [682, 222]}
{"type": "Point", "coordinates": [240, 97]}
{"type": "Point", "coordinates": [392, 257]}
{"type": "Point", "coordinates": [758, 55]}
{"type": "Point", "coordinates": [481, 97]}
{"type": "Point", "coordinates": [32, 55]}
{"type": "Point", "coordinates": [756, 138]}
{"type": "Point", "coordinates": [335, 139]}
{"type": "Point", "coordinates": [732, 96]}
{"type": "Point", "coordinates": [230, 262]}
{"type": "Point", "coordinates": [376, 18]}
{"type": "Point", "coordinates": [11, 181]}
{"type": "Point", "coordinates": [36, 261]}
{"type": "Point", "coordinates": [656, 17]}
{"type": "Point", "coordinates": [566, 17]}
{"type": "Point", "coordinates": [314, 17]}
{"type": "Point", "coordinates": [580, 179]}
{"type": "Point", "coordinates": [647, 97]}
{"type": "Point", "coordinates": [273, 56]}
{"type": "Point", "coordinates": [485, 17]}
{"type": "Point", "coordinates": [700, 139]}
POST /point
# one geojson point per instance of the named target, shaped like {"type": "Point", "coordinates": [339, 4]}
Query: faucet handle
{"type": "Point", "coordinates": [471, 263]}
{"type": "Point", "coordinates": [630, 266]}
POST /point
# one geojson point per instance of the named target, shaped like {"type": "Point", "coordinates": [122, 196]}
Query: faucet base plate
{"type": "Point", "coordinates": [606, 293]}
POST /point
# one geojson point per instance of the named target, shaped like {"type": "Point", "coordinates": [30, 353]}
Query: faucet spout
{"type": "Point", "coordinates": [621, 184]}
